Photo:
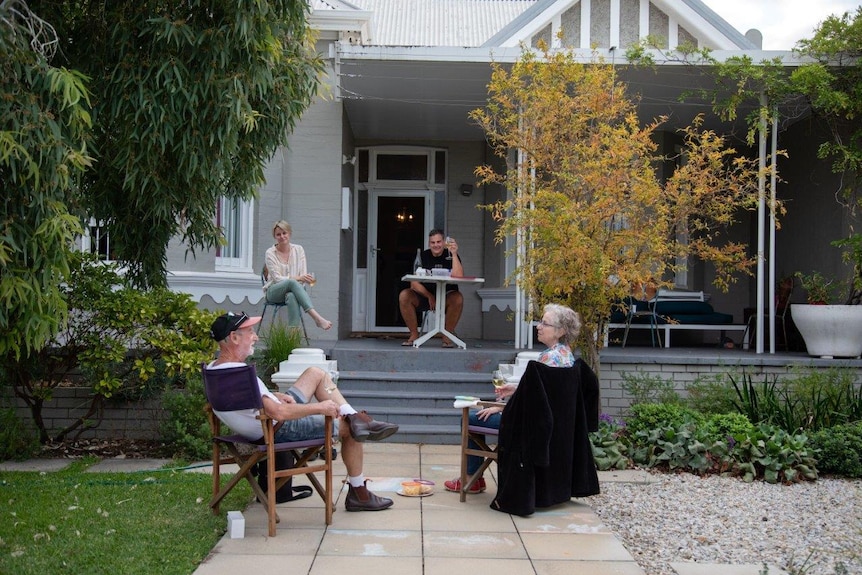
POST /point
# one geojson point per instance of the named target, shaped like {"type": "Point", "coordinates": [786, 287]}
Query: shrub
{"type": "Point", "coordinates": [722, 426]}
{"type": "Point", "coordinates": [711, 395]}
{"type": "Point", "coordinates": [811, 400]}
{"type": "Point", "coordinates": [775, 455]}
{"type": "Point", "coordinates": [16, 441]}
{"type": "Point", "coordinates": [825, 398]}
{"type": "Point", "coordinates": [114, 336]}
{"type": "Point", "coordinates": [680, 447]}
{"type": "Point", "coordinates": [279, 341]}
{"type": "Point", "coordinates": [187, 428]}
{"type": "Point", "coordinates": [839, 449]}
{"type": "Point", "coordinates": [650, 416]}
{"type": "Point", "coordinates": [648, 388]}
{"type": "Point", "coordinates": [609, 450]}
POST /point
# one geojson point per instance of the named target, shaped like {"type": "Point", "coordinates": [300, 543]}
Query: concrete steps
{"type": "Point", "coordinates": [419, 395]}
{"type": "Point", "coordinates": [419, 402]}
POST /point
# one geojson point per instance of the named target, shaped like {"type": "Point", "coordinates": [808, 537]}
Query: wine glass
{"type": "Point", "coordinates": [497, 379]}
{"type": "Point", "coordinates": [312, 280]}
{"type": "Point", "coordinates": [448, 242]}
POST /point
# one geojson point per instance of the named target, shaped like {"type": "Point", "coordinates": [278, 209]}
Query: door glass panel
{"type": "Point", "coordinates": [440, 167]}
{"type": "Point", "coordinates": [361, 229]}
{"type": "Point", "coordinates": [400, 231]}
{"type": "Point", "coordinates": [404, 167]}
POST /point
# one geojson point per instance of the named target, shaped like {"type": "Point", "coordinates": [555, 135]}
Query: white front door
{"type": "Point", "coordinates": [398, 225]}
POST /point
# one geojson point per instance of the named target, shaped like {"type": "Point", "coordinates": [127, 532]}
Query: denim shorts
{"type": "Point", "coordinates": [304, 428]}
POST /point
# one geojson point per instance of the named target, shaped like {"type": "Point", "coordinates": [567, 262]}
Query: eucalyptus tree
{"type": "Point", "coordinates": [596, 219]}
{"type": "Point", "coordinates": [43, 150]}
{"type": "Point", "coordinates": [190, 99]}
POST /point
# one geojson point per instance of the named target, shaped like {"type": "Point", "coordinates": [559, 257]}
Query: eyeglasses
{"type": "Point", "coordinates": [543, 323]}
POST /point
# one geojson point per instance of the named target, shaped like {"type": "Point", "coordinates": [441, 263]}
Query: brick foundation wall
{"type": "Point", "coordinates": [615, 401]}
{"type": "Point", "coordinates": [142, 419]}
{"type": "Point", "coordinates": [121, 419]}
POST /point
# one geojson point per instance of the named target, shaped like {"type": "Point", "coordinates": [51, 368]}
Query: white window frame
{"type": "Point", "coordinates": [236, 218]}
{"type": "Point", "coordinates": [91, 245]}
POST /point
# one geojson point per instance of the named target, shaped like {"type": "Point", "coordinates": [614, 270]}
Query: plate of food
{"type": "Point", "coordinates": [416, 488]}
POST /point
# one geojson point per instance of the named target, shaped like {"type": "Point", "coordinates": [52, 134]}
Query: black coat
{"type": "Point", "coordinates": [544, 451]}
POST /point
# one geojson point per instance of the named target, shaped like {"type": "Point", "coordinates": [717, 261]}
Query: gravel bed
{"type": "Point", "coordinates": [724, 520]}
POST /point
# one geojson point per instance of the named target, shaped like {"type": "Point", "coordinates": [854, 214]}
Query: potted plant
{"type": "Point", "coordinates": [830, 330]}
{"type": "Point", "coordinates": [817, 287]}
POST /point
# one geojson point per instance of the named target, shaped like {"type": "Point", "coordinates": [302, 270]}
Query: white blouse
{"type": "Point", "coordinates": [278, 270]}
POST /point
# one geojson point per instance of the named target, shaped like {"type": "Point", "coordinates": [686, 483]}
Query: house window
{"type": "Point", "coordinates": [97, 241]}
{"type": "Point", "coordinates": [234, 217]}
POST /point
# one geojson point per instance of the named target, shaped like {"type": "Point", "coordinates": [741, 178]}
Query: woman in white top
{"type": "Point", "coordinates": [286, 273]}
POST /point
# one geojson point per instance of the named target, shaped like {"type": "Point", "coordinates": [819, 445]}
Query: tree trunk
{"type": "Point", "coordinates": [91, 419]}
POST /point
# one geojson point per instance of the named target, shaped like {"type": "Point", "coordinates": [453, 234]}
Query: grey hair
{"type": "Point", "coordinates": [568, 320]}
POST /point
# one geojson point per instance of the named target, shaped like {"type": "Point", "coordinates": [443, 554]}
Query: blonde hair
{"type": "Point", "coordinates": [568, 320]}
{"type": "Point", "coordinates": [282, 225]}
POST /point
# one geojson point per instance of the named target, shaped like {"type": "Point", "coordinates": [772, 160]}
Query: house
{"type": "Point", "coordinates": [387, 152]}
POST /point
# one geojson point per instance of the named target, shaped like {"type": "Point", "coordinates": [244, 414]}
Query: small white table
{"type": "Point", "coordinates": [440, 309]}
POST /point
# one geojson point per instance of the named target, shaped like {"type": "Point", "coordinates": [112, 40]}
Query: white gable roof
{"type": "Point", "coordinates": [606, 23]}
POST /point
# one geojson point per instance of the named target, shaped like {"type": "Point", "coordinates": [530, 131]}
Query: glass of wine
{"type": "Point", "coordinates": [312, 280]}
{"type": "Point", "coordinates": [497, 379]}
{"type": "Point", "coordinates": [448, 241]}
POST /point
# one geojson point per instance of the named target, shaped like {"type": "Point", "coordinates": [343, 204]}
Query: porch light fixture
{"type": "Point", "coordinates": [466, 190]}
{"type": "Point", "coordinates": [348, 160]}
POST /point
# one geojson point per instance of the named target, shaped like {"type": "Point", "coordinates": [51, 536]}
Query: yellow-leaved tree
{"type": "Point", "coordinates": [595, 218]}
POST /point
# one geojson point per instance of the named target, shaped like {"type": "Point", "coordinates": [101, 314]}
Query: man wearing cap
{"type": "Point", "coordinates": [303, 419]}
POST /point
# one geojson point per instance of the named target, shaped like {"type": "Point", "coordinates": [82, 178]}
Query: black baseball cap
{"type": "Point", "coordinates": [225, 324]}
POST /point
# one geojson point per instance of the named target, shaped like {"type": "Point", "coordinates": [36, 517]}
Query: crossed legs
{"type": "Point", "coordinates": [317, 383]}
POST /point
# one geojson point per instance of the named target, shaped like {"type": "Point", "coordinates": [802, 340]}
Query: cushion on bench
{"type": "Point", "coordinates": [674, 308]}
{"type": "Point", "coordinates": [684, 312]}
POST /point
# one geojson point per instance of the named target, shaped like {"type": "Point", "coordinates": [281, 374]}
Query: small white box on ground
{"type": "Point", "coordinates": [235, 524]}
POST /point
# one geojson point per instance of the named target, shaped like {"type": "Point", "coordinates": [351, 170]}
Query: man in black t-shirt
{"type": "Point", "coordinates": [421, 296]}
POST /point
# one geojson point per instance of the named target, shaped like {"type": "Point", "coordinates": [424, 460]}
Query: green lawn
{"type": "Point", "coordinates": [76, 522]}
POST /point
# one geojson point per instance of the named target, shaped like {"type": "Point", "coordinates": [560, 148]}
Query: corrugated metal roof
{"type": "Point", "coordinates": [471, 23]}
{"type": "Point", "coordinates": [462, 23]}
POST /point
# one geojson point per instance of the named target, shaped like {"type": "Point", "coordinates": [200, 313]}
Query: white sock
{"type": "Point", "coordinates": [357, 481]}
{"type": "Point", "coordinates": [347, 409]}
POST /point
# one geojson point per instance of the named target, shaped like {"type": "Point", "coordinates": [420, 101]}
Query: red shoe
{"type": "Point", "coordinates": [455, 486]}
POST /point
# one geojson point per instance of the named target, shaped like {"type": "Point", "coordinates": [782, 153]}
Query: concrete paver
{"type": "Point", "coordinates": [433, 535]}
{"type": "Point", "coordinates": [39, 465]}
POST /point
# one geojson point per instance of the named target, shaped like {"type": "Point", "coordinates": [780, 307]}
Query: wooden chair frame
{"type": "Point", "coordinates": [478, 434]}
{"type": "Point", "coordinates": [247, 454]}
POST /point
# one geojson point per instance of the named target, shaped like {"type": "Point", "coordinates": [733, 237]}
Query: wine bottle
{"type": "Point", "coordinates": [417, 263]}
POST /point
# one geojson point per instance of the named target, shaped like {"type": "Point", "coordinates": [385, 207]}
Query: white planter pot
{"type": "Point", "coordinates": [830, 330]}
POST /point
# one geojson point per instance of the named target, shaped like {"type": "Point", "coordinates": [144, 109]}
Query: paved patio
{"type": "Point", "coordinates": [433, 535]}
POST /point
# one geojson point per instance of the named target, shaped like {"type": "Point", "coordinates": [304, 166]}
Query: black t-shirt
{"type": "Point", "coordinates": [429, 262]}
